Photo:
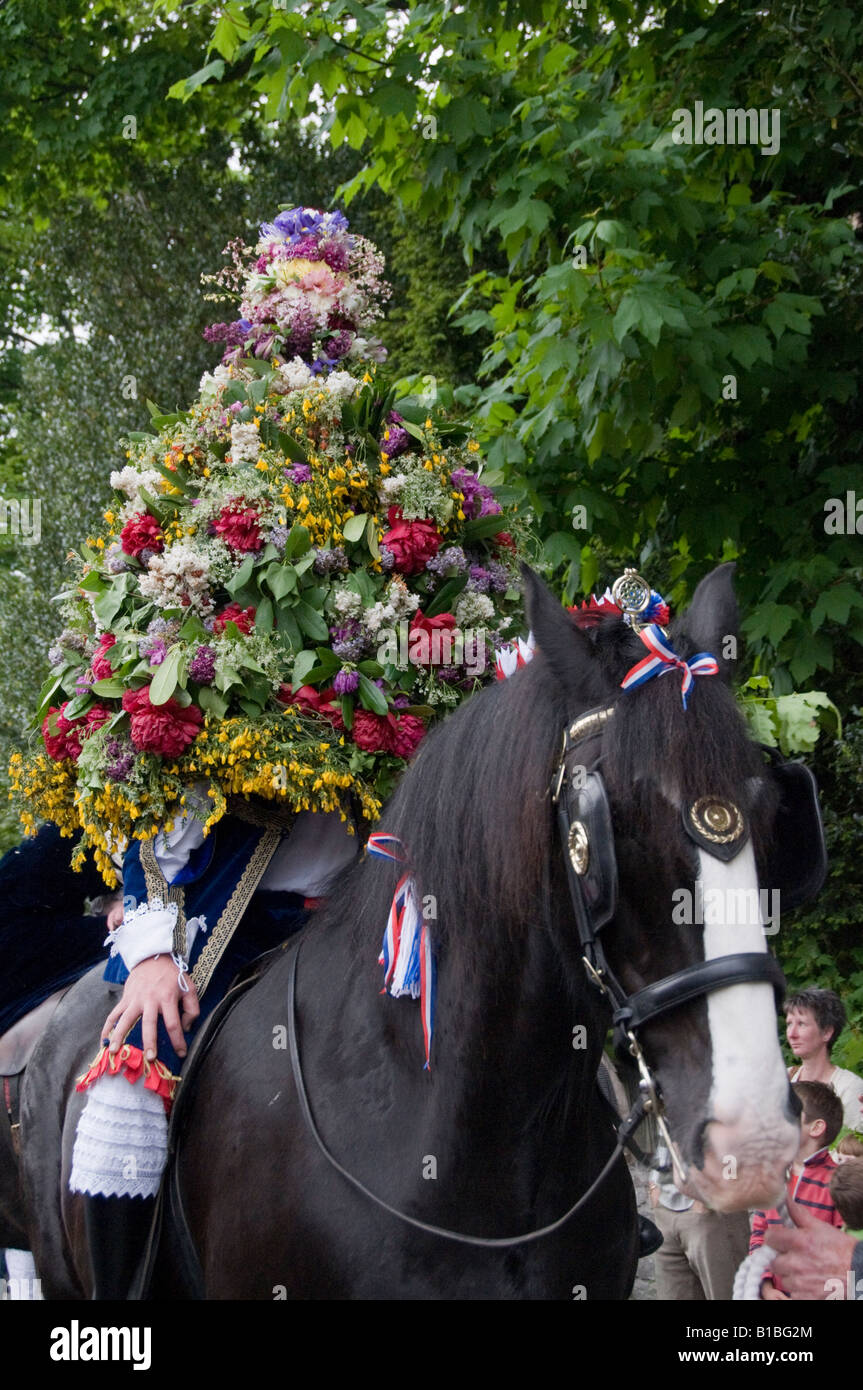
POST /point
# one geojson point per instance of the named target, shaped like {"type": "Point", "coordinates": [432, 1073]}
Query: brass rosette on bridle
{"type": "Point", "coordinates": [716, 824]}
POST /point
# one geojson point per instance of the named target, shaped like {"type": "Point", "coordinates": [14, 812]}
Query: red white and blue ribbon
{"type": "Point", "coordinates": [663, 658]}
{"type": "Point", "coordinates": [406, 955]}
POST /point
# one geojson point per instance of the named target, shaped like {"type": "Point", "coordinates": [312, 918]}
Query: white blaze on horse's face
{"type": "Point", "coordinates": [750, 1139]}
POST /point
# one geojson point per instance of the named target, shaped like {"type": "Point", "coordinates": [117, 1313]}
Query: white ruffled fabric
{"type": "Point", "coordinates": [121, 1144]}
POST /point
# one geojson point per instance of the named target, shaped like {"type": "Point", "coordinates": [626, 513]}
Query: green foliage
{"type": "Point", "coordinates": [823, 945]}
{"type": "Point", "coordinates": [673, 329]}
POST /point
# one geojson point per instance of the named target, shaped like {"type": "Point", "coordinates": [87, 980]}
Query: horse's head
{"type": "Point", "coordinates": [695, 817]}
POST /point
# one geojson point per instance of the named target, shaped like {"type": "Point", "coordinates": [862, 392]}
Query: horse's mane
{"type": "Point", "coordinates": [473, 809]}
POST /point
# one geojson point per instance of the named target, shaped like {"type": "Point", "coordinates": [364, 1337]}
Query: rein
{"type": "Point", "coordinates": [583, 853]}
{"type": "Point", "coordinates": [624, 1133]}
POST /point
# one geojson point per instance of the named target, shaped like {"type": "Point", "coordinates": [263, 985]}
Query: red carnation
{"type": "Point", "coordinates": [65, 741]}
{"type": "Point", "coordinates": [100, 665]}
{"type": "Point", "coordinates": [141, 532]}
{"type": "Point", "coordinates": [239, 529]}
{"type": "Point", "coordinates": [387, 733]}
{"type": "Point", "coordinates": [167, 729]}
{"type": "Point", "coordinates": [411, 543]}
{"type": "Point", "coordinates": [243, 617]}
{"type": "Point", "coordinates": [96, 716]}
{"type": "Point", "coordinates": [431, 650]}
{"type": "Point", "coordinates": [504, 540]}
{"type": "Point", "coordinates": [311, 701]}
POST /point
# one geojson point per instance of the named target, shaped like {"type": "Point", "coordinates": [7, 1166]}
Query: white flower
{"type": "Point", "coordinates": [179, 572]}
{"type": "Point", "coordinates": [347, 603]}
{"type": "Point", "coordinates": [400, 599]}
{"type": "Point", "coordinates": [295, 374]}
{"type": "Point", "coordinates": [378, 616]}
{"type": "Point", "coordinates": [391, 487]}
{"type": "Point", "coordinates": [340, 385]}
{"type": "Point", "coordinates": [212, 383]}
{"type": "Point", "coordinates": [245, 443]}
{"type": "Point", "coordinates": [472, 609]}
{"type": "Point", "coordinates": [130, 481]}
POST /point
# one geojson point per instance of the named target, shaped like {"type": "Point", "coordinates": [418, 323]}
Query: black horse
{"type": "Point", "coordinates": [507, 1129]}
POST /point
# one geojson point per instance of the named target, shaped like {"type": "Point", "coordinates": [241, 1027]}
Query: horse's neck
{"type": "Point", "coordinates": [520, 1049]}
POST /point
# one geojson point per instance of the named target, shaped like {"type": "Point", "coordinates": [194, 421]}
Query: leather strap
{"type": "Point", "coordinates": [746, 967]}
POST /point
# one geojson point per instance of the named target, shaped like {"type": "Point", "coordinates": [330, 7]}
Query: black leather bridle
{"type": "Point", "coordinates": [587, 837]}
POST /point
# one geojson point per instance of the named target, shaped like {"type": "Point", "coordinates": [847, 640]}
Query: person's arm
{"type": "Point", "coordinates": [157, 983]}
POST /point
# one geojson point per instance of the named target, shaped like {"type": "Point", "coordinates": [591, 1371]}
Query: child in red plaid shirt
{"type": "Point", "coordinates": [811, 1171]}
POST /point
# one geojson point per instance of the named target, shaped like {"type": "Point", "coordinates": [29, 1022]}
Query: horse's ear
{"type": "Point", "coordinates": [710, 622]}
{"type": "Point", "coordinates": [568, 651]}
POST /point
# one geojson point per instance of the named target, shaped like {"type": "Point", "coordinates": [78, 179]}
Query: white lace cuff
{"type": "Point", "coordinates": [148, 930]}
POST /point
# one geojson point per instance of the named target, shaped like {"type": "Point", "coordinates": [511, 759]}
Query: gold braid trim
{"type": "Point", "coordinates": [237, 903]}
{"type": "Point", "coordinates": [157, 887]}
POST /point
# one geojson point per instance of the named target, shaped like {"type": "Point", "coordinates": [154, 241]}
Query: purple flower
{"type": "Point", "coordinates": [479, 579]}
{"type": "Point", "coordinates": [157, 653]}
{"type": "Point", "coordinates": [348, 642]}
{"type": "Point", "coordinates": [202, 667]}
{"type": "Point", "coordinates": [279, 535]}
{"type": "Point", "coordinates": [478, 499]}
{"type": "Point", "coordinates": [498, 576]}
{"type": "Point", "coordinates": [450, 561]}
{"type": "Point", "coordinates": [346, 681]}
{"type": "Point", "coordinates": [387, 558]}
{"type": "Point", "coordinates": [300, 473]}
{"type": "Point", "coordinates": [398, 441]}
{"type": "Point", "coordinates": [83, 684]}
{"type": "Point", "coordinates": [118, 771]}
{"type": "Point", "coordinates": [293, 224]}
{"type": "Point", "coordinates": [333, 561]}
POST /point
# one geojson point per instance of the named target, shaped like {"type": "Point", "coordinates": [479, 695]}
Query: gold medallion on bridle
{"type": "Point", "coordinates": [579, 852]}
{"type": "Point", "coordinates": [716, 819]}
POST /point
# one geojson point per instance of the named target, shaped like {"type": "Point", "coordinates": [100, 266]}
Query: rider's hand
{"type": "Point", "coordinates": [115, 916]}
{"type": "Point", "coordinates": [152, 989]}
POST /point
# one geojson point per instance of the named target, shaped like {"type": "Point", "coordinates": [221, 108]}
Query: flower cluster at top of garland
{"type": "Point", "coordinates": [296, 576]}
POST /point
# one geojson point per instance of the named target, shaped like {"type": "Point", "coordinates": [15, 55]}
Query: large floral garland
{"type": "Point", "coordinates": [298, 574]}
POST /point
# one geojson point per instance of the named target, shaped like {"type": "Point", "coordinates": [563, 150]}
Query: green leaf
{"type": "Point", "coordinates": [281, 580]}
{"type": "Point", "coordinates": [446, 596]}
{"type": "Point", "coordinates": [111, 689]}
{"type": "Point", "coordinates": [212, 701]}
{"type": "Point", "coordinates": [51, 685]}
{"type": "Point", "coordinates": [167, 677]}
{"type": "Point", "coordinates": [304, 662]}
{"type": "Point", "coordinates": [484, 526]}
{"type": "Point", "coordinates": [371, 697]}
{"type": "Point", "coordinates": [353, 528]}
{"type": "Point", "coordinates": [264, 616]}
{"type": "Point", "coordinates": [348, 711]}
{"type": "Point", "coordinates": [372, 539]}
{"type": "Point", "coordinates": [311, 622]}
{"type": "Point", "coordinates": [241, 578]}
{"type": "Point", "coordinates": [288, 627]}
{"type": "Point", "coordinates": [373, 669]}
{"type": "Point", "coordinates": [297, 543]}
{"type": "Point", "coordinates": [108, 604]}
{"type": "Point", "coordinates": [292, 449]}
